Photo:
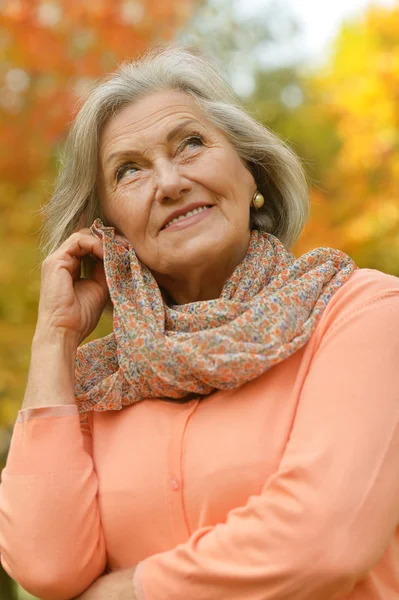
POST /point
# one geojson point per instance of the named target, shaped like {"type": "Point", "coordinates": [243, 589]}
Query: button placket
{"type": "Point", "coordinates": [175, 482]}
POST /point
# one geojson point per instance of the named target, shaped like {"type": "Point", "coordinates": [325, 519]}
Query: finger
{"type": "Point", "coordinates": [95, 258]}
{"type": "Point", "coordinates": [80, 244]}
{"type": "Point", "coordinates": [70, 254]}
{"type": "Point", "coordinates": [122, 241]}
{"type": "Point", "coordinates": [98, 275]}
{"type": "Point", "coordinates": [119, 238]}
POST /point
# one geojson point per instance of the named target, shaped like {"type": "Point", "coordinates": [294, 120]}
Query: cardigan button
{"type": "Point", "coordinates": [174, 483]}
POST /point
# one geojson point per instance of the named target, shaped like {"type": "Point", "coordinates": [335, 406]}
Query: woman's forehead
{"type": "Point", "coordinates": [157, 116]}
{"type": "Point", "coordinates": [153, 109]}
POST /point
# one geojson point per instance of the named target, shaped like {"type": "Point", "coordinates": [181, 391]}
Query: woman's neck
{"type": "Point", "coordinates": [199, 284]}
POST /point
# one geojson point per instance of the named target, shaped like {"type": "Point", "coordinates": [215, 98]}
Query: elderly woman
{"type": "Point", "coordinates": [236, 436]}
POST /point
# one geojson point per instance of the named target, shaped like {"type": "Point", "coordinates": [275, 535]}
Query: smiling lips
{"type": "Point", "coordinates": [185, 215]}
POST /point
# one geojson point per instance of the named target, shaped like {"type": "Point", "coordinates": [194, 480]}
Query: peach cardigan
{"type": "Point", "coordinates": [284, 489]}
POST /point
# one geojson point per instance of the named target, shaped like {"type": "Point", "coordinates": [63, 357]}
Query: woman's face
{"type": "Point", "coordinates": [161, 159]}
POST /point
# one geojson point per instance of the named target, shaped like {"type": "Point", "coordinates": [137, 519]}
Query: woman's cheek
{"type": "Point", "coordinates": [213, 173]}
{"type": "Point", "coordinates": [138, 187]}
{"type": "Point", "coordinates": [131, 210]}
{"type": "Point", "coordinates": [127, 198]}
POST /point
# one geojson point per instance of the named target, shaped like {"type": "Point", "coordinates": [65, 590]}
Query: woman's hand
{"type": "Point", "coordinates": [114, 586]}
{"type": "Point", "coordinates": [69, 304]}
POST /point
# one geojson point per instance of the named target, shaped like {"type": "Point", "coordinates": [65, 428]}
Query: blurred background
{"type": "Point", "coordinates": [324, 76]}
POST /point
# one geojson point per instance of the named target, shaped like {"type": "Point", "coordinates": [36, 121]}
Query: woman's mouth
{"type": "Point", "coordinates": [193, 216]}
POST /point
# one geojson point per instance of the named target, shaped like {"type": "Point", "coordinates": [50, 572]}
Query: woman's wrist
{"type": "Point", "coordinates": [51, 374]}
{"type": "Point", "coordinates": [55, 347]}
{"type": "Point", "coordinates": [51, 336]}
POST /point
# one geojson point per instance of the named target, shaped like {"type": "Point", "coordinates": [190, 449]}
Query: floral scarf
{"type": "Point", "coordinates": [267, 311]}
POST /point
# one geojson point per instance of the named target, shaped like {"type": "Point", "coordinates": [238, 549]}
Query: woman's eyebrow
{"type": "Point", "coordinates": [170, 137]}
{"type": "Point", "coordinates": [175, 132]}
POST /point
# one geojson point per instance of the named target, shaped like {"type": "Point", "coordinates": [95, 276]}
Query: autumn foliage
{"type": "Point", "coordinates": [50, 51]}
{"type": "Point", "coordinates": [358, 92]}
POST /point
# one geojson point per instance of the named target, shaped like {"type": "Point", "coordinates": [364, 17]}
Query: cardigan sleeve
{"type": "Point", "coordinates": [328, 513]}
{"type": "Point", "coordinates": [51, 541]}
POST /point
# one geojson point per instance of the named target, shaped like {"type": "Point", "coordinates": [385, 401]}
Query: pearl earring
{"type": "Point", "coordinates": [258, 200]}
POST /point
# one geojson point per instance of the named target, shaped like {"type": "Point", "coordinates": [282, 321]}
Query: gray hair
{"type": "Point", "coordinates": [277, 170]}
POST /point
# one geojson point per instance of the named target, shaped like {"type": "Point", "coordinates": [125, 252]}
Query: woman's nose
{"type": "Point", "coordinates": [169, 181]}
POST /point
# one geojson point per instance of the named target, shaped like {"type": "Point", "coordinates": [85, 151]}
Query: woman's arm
{"type": "Point", "coordinates": [51, 373]}
{"type": "Point", "coordinates": [326, 517]}
{"type": "Point", "coordinates": [51, 539]}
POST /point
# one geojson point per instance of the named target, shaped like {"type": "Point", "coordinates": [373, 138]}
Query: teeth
{"type": "Point", "coordinates": [189, 214]}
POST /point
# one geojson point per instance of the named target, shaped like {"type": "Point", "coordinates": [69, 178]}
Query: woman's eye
{"type": "Point", "coordinates": [123, 170]}
{"type": "Point", "coordinates": [193, 141]}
